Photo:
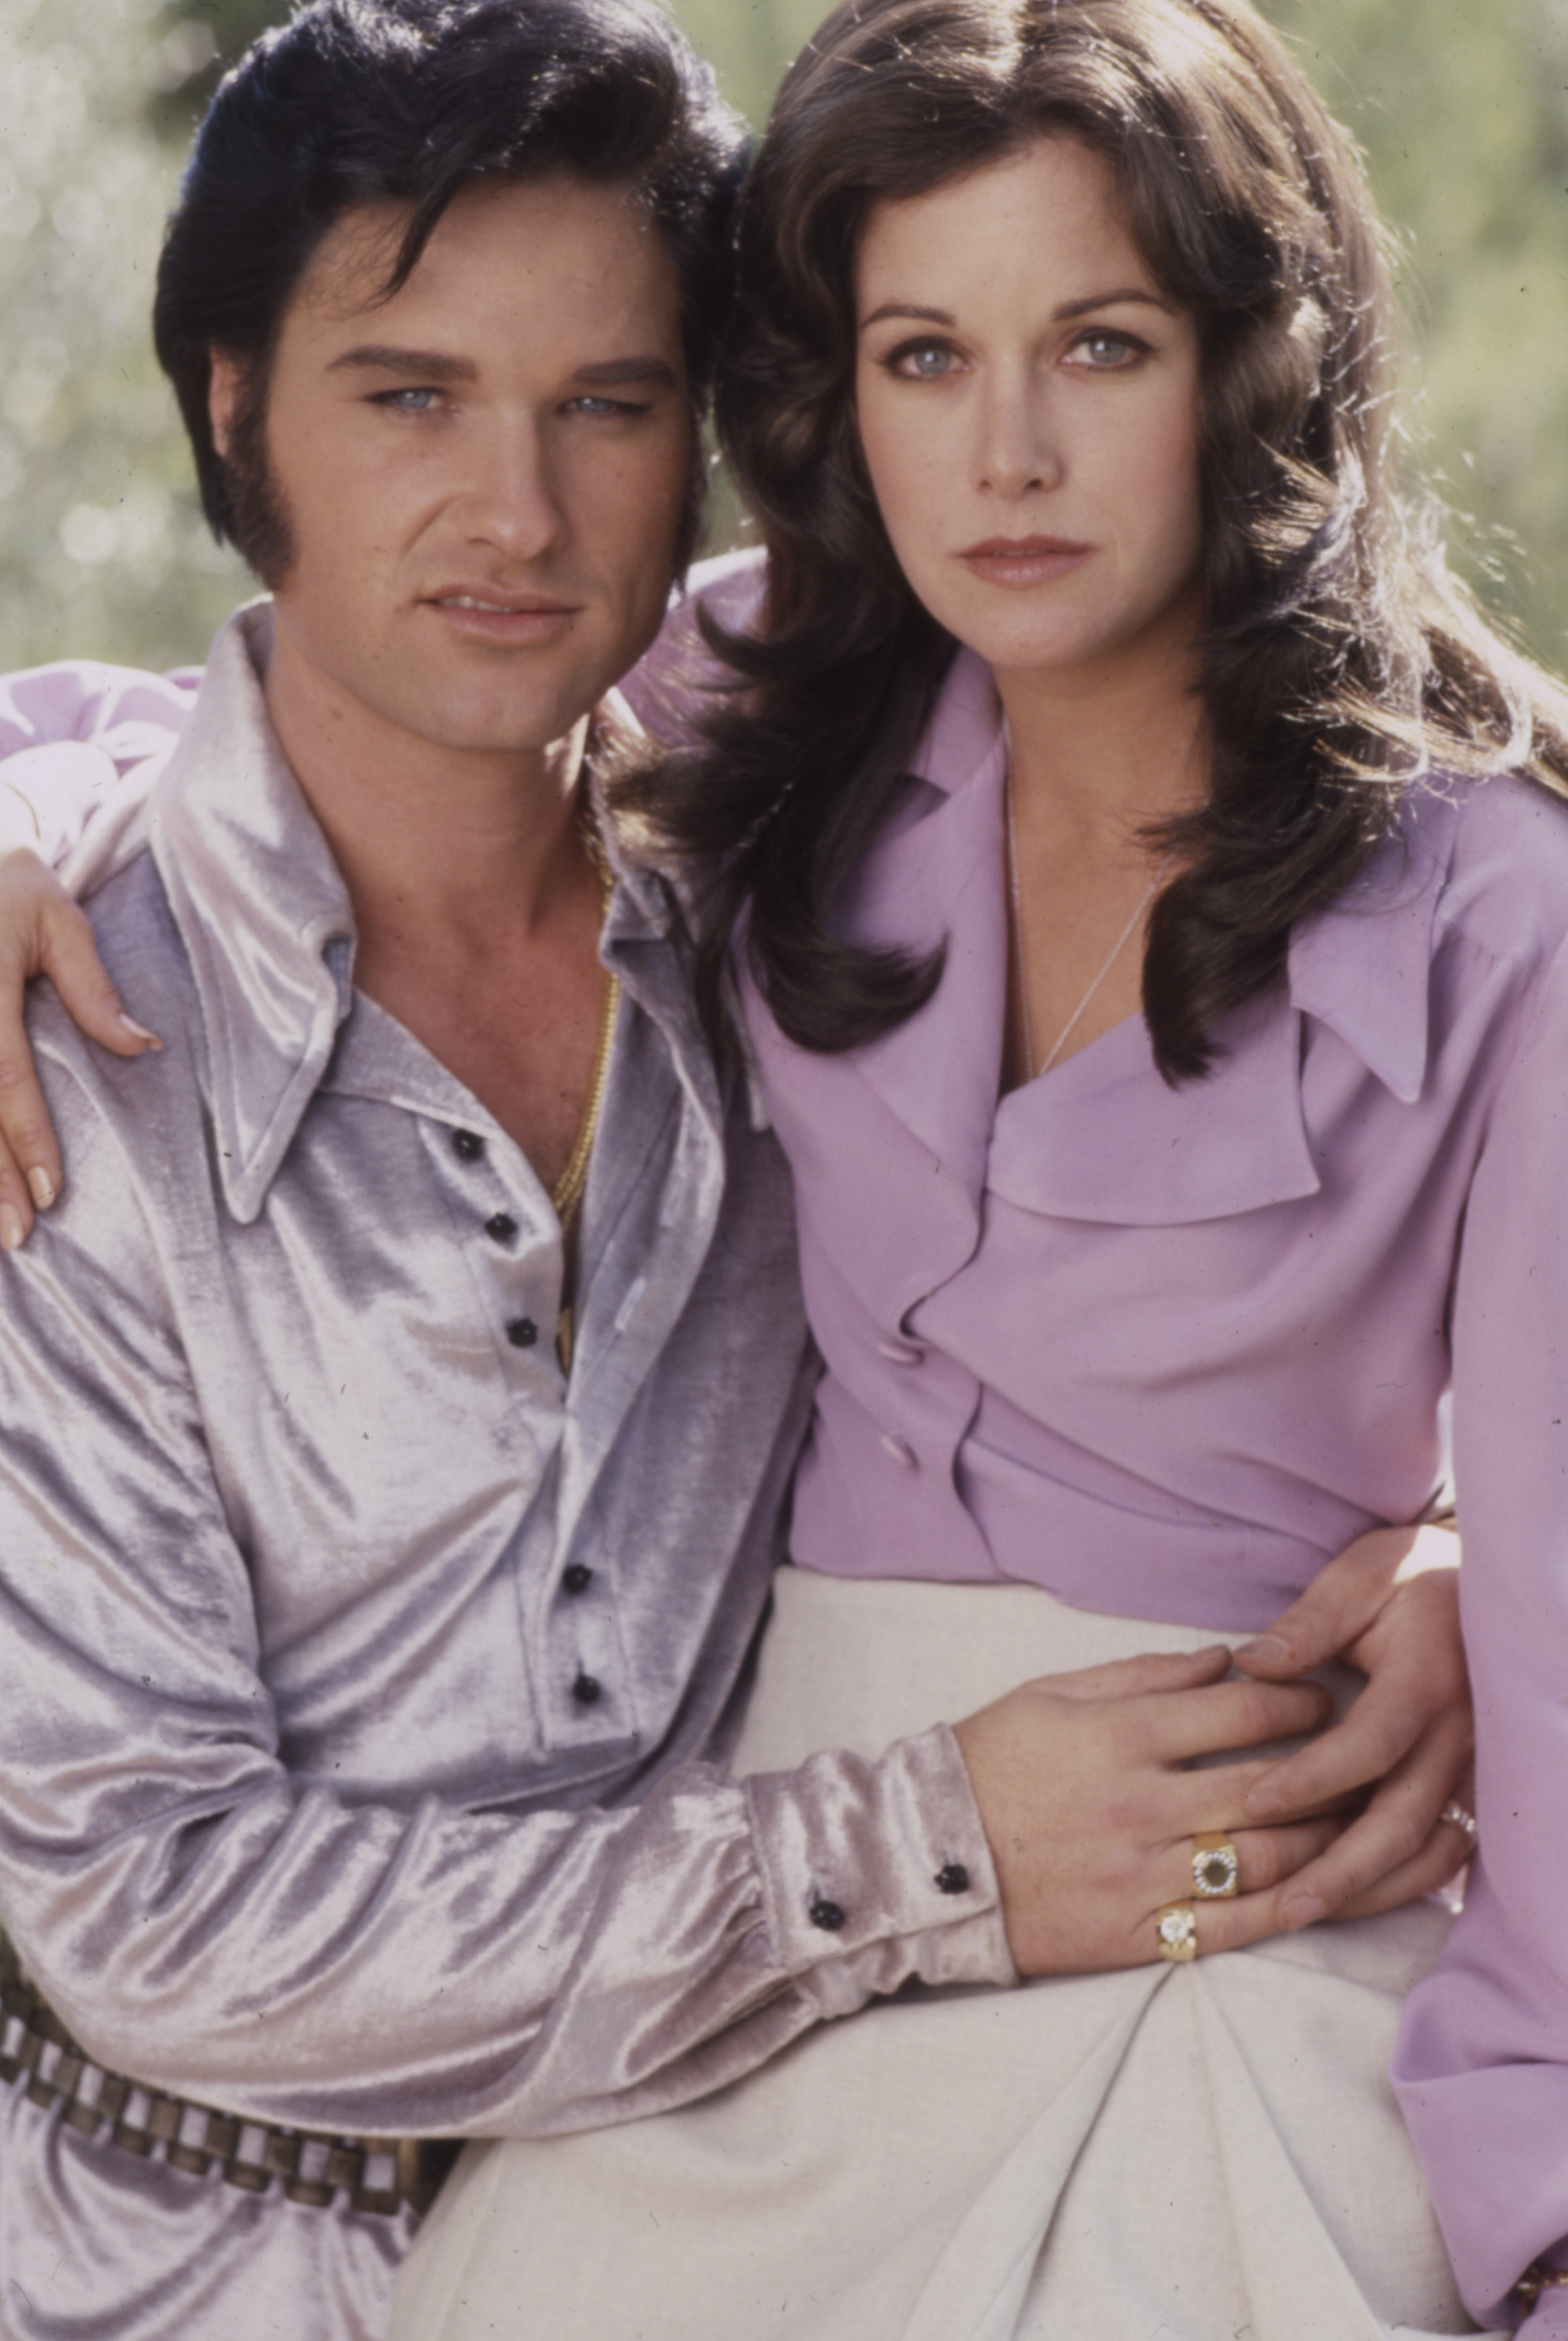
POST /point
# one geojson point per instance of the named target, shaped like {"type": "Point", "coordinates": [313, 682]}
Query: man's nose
{"type": "Point", "coordinates": [512, 501]}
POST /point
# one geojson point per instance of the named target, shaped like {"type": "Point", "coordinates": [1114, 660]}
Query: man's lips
{"type": "Point", "coordinates": [494, 614]}
{"type": "Point", "coordinates": [1024, 560]}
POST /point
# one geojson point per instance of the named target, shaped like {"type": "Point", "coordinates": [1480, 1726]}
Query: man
{"type": "Point", "coordinates": [386, 1517]}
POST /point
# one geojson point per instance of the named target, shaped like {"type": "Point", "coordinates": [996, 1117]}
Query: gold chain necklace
{"type": "Point", "coordinates": [567, 1194]}
{"type": "Point", "coordinates": [1117, 948]}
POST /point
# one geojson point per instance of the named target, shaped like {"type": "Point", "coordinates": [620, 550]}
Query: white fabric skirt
{"type": "Point", "coordinates": [1171, 2153]}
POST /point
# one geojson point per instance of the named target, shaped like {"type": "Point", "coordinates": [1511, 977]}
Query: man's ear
{"type": "Point", "coordinates": [225, 383]}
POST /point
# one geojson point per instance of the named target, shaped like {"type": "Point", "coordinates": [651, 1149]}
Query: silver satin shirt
{"type": "Point", "coordinates": [356, 1669]}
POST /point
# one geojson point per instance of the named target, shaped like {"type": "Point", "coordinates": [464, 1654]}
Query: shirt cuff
{"type": "Point", "coordinates": [872, 1873]}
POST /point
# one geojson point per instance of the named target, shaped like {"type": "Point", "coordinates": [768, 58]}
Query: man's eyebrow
{"type": "Point", "coordinates": [439, 365]}
{"type": "Point", "coordinates": [1060, 316]}
{"type": "Point", "coordinates": [387, 357]}
{"type": "Point", "coordinates": [612, 372]}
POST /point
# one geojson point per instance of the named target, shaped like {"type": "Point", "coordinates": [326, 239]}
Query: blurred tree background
{"type": "Point", "coordinates": [1462, 106]}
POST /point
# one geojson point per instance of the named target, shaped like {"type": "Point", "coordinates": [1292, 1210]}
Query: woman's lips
{"type": "Point", "coordinates": [1024, 560]}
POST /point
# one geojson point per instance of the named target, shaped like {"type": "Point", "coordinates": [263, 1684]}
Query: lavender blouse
{"type": "Point", "coordinates": [1165, 1351]}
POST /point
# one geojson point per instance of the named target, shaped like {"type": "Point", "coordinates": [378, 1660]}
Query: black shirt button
{"type": "Point", "coordinates": [522, 1332]}
{"type": "Point", "coordinates": [952, 1878]}
{"type": "Point", "coordinates": [467, 1145]}
{"type": "Point", "coordinates": [501, 1228]}
{"type": "Point", "coordinates": [828, 1916]}
{"type": "Point", "coordinates": [586, 1690]}
{"type": "Point", "coordinates": [578, 1577]}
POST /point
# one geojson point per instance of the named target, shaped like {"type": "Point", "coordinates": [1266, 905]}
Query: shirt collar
{"type": "Point", "coordinates": [265, 919]}
{"type": "Point", "coordinates": [1361, 967]}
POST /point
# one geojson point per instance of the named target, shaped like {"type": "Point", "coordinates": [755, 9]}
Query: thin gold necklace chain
{"type": "Point", "coordinates": [567, 1192]}
{"type": "Point", "coordinates": [1117, 948]}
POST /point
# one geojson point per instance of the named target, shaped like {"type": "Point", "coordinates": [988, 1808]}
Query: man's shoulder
{"type": "Point", "coordinates": [140, 944]}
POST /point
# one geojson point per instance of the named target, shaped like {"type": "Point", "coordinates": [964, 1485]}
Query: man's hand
{"type": "Point", "coordinates": [43, 932]}
{"type": "Point", "coordinates": [1091, 1815]}
{"type": "Point", "coordinates": [1390, 1605]}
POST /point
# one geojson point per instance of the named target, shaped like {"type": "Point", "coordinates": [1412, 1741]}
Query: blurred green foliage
{"type": "Point", "coordinates": [1462, 106]}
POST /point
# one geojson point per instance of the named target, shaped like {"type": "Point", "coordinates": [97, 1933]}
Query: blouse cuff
{"type": "Point", "coordinates": [872, 1873]}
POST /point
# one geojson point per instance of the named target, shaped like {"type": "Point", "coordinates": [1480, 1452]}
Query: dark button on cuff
{"type": "Point", "coordinates": [467, 1145]}
{"type": "Point", "coordinates": [586, 1690]}
{"type": "Point", "coordinates": [501, 1228]}
{"type": "Point", "coordinates": [952, 1878]}
{"type": "Point", "coordinates": [828, 1916]}
{"type": "Point", "coordinates": [522, 1332]}
{"type": "Point", "coordinates": [578, 1577]}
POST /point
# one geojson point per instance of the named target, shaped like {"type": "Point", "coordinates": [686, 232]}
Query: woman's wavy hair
{"type": "Point", "coordinates": [1341, 662]}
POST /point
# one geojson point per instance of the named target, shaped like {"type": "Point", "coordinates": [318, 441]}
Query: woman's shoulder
{"type": "Point", "coordinates": [670, 684]}
{"type": "Point", "coordinates": [1503, 883]}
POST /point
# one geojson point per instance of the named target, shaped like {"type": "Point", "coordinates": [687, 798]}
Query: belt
{"type": "Point", "coordinates": [377, 2173]}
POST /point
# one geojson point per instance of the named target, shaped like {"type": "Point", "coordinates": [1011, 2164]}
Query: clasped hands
{"type": "Point", "coordinates": [1089, 1805]}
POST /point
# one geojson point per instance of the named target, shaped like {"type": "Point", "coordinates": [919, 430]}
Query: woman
{"type": "Point", "coordinates": [1095, 670]}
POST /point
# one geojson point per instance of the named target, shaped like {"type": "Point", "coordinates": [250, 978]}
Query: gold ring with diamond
{"type": "Point", "coordinates": [1217, 1866]}
{"type": "Point", "coordinates": [1176, 1928]}
{"type": "Point", "coordinates": [1455, 1814]}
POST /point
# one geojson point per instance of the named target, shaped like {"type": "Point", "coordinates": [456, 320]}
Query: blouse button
{"type": "Point", "coordinates": [522, 1332]}
{"type": "Point", "coordinates": [828, 1916]}
{"type": "Point", "coordinates": [467, 1145]}
{"type": "Point", "coordinates": [902, 1353]}
{"type": "Point", "coordinates": [501, 1228]}
{"type": "Point", "coordinates": [899, 1448]}
{"type": "Point", "coordinates": [577, 1578]}
{"type": "Point", "coordinates": [952, 1878]}
{"type": "Point", "coordinates": [586, 1690]}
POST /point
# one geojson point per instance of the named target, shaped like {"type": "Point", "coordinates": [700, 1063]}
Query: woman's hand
{"type": "Point", "coordinates": [1091, 1815]}
{"type": "Point", "coordinates": [1389, 1604]}
{"type": "Point", "coordinates": [43, 932]}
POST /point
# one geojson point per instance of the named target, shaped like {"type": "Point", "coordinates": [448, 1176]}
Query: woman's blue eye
{"type": "Point", "coordinates": [408, 401]}
{"type": "Point", "coordinates": [925, 361]}
{"type": "Point", "coordinates": [1107, 349]}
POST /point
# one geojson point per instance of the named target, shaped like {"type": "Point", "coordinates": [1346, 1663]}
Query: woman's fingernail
{"type": "Point", "coordinates": [140, 1032]}
{"type": "Point", "coordinates": [1305, 1910]}
{"type": "Point", "coordinates": [42, 1188]}
{"type": "Point", "coordinates": [1269, 1648]}
{"type": "Point", "coordinates": [13, 1234]}
{"type": "Point", "coordinates": [1263, 1804]}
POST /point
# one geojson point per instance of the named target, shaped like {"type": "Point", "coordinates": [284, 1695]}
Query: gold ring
{"type": "Point", "coordinates": [1455, 1814]}
{"type": "Point", "coordinates": [1176, 1925]}
{"type": "Point", "coordinates": [1217, 1866]}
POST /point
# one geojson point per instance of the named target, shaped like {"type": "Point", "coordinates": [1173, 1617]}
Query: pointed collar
{"type": "Point", "coordinates": [1363, 966]}
{"type": "Point", "coordinates": [261, 909]}
{"type": "Point", "coordinates": [266, 919]}
{"type": "Point", "coordinates": [1104, 1137]}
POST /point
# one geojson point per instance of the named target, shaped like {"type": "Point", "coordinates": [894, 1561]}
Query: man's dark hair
{"type": "Point", "coordinates": [359, 102]}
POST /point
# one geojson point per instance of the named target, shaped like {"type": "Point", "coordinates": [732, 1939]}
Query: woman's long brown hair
{"type": "Point", "coordinates": [1340, 662]}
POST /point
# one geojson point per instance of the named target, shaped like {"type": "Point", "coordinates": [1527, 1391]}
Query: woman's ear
{"type": "Point", "coordinates": [225, 383]}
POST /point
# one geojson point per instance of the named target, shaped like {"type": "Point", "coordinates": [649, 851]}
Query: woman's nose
{"type": "Point", "coordinates": [1018, 448]}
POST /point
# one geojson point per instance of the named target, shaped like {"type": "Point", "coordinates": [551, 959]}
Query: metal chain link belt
{"type": "Point", "coordinates": [377, 2173]}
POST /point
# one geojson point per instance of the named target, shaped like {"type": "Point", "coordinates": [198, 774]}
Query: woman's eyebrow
{"type": "Point", "coordinates": [1059, 316]}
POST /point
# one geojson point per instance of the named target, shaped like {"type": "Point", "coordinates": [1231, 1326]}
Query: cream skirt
{"type": "Point", "coordinates": [1186, 2152]}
